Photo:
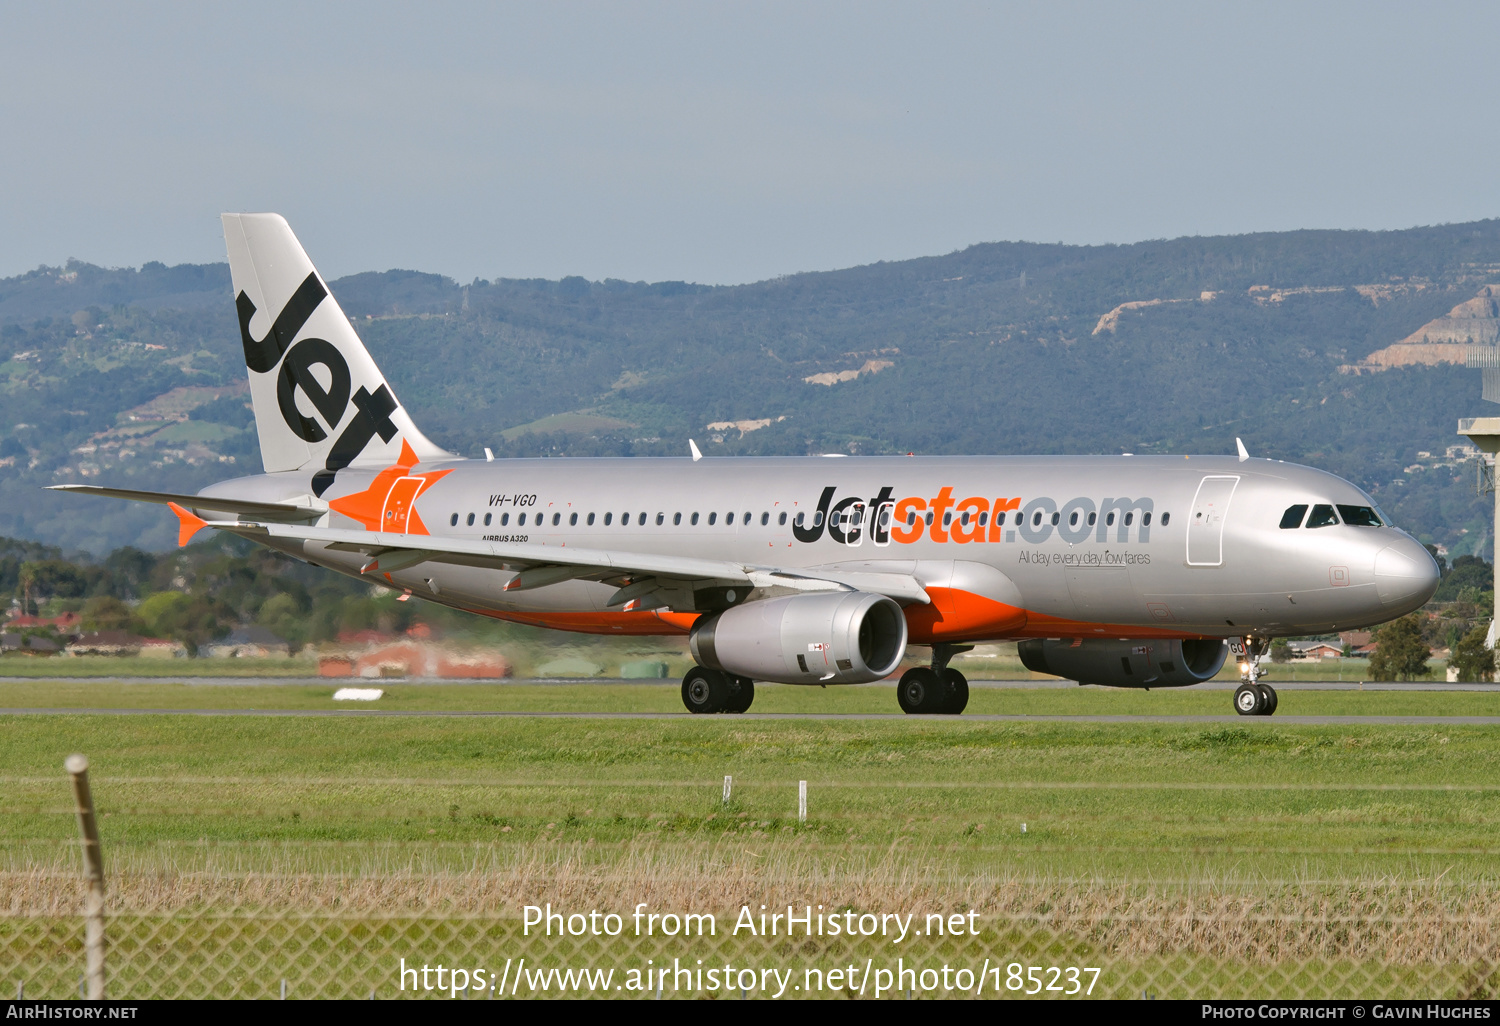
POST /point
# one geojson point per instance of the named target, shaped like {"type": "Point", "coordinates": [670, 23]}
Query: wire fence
{"type": "Point", "coordinates": [1042, 942]}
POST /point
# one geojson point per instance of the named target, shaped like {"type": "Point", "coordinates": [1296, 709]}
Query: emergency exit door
{"type": "Point", "coordinates": [1205, 532]}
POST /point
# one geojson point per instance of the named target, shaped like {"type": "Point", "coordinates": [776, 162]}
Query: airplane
{"type": "Point", "coordinates": [1126, 571]}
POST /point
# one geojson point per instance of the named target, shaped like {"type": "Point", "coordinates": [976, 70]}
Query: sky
{"type": "Point", "coordinates": [725, 143]}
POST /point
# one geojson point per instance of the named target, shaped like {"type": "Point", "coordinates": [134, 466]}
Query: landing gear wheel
{"type": "Point", "coordinates": [1248, 700]}
{"type": "Point", "coordinates": [958, 692]}
{"type": "Point", "coordinates": [921, 692]}
{"type": "Point", "coordinates": [1268, 696]}
{"type": "Point", "coordinates": [704, 690]}
{"type": "Point", "coordinates": [741, 694]}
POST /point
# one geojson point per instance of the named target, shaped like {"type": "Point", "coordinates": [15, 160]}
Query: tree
{"type": "Point", "coordinates": [1281, 652]}
{"type": "Point", "coordinates": [1471, 659]}
{"type": "Point", "coordinates": [1400, 652]}
{"type": "Point", "coordinates": [107, 613]}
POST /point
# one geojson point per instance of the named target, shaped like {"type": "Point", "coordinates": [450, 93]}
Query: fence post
{"type": "Point", "coordinates": [93, 866]}
{"type": "Point", "coordinates": [801, 801]}
{"type": "Point", "coordinates": [728, 783]}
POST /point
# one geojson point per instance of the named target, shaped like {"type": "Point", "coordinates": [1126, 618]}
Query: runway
{"type": "Point", "coordinates": [1022, 685]}
{"type": "Point", "coordinates": [1249, 721]}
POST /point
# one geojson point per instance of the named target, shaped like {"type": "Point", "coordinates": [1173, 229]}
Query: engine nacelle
{"type": "Point", "coordinates": [845, 637]}
{"type": "Point", "coordinates": [1127, 664]}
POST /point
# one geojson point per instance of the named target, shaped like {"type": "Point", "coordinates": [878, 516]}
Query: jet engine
{"type": "Point", "coordinates": [1127, 664]}
{"type": "Point", "coordinates": [846, 637]}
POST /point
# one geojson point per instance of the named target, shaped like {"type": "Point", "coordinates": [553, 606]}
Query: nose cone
{"type": "Point", "coordinates": [1405, 576]}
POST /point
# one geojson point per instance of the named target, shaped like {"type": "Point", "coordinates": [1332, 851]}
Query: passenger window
{"type": "Point", "coordinates": [694, 520]}
{"type": "Point", "coordinates": [1129, 518]}
{"type": "Point", "coordinates": [470, 521]}
{"type": "Point", "coordinates": [911, 518]}
{"type": "Point", "coordinates": [818, 519]}
{"type": "Point", "coordinates": [661, 518]}
{"type": "Point", "coordinates": [676, 519]}
{"type": "Point", "coordinates": [504, 519]}
{"type": "Point", "coordinates": [1000, 519]}
{"type": "Point", "coordinates": [712, 519]}
{"type": "Point", "coordinates": [1166, 518]}
{"type": "Point", "coordinates": [487, 519]}
{"type": "Point", "coordinates": [1322, 516]}
{"type": "Point", "coordinates": [765, 518]}
{"type": "Point", "coordinates": [1145, 519]}
{"type": "Point", "coordinates": [1093, 518]}
{"type": "Point", "coordinates": [984, 518]}
{"type": "Point", "coordinates": [607, 518]}
{"type": "Point", "coordinates": [641, 520]}
{"type": "Point", "coordinates": [1073, 519]}
{"type": "Point", "coordinates": [453, 520]}
{"type": "Point", "coordinates": [1360, 516]}
{"type": "Point", "coordinates": [781, 520]}
{"type": "Point", "coordinates": [591, 520]}
{"type": "Point", "coordinates": [1109, 521]}
{"type": "Point", "coordinates": [729, 519]}
{"type": "Point", "coordinates": [521, 520]}
{"type": "Point", "coordinates": [1292, 518]}
{"type": "Point", "coordinates": [1036, 519]}
{"type": "Point", "coordinates": [928, 518]}
{"type": "Point", "coordinates": [747, 516]}
{"type": "Point", "coordinates": [1055, 518]}
{"type": "Point", "coordinates": [572, 519]}
{"type": "Point", "coordinates": [556, 519]}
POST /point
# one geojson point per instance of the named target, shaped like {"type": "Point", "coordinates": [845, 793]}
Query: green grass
{"type": "Point", "coordinates": [770, 698]}
{"type": "Point", "coordinates": [372, 838]}
{"type": "Point", "coordinates": [1130, 801]}
{"type": "Point", "coordinates": [133, 666]}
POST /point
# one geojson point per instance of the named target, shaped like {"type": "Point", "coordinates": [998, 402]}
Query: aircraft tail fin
{"type": "Point", "coordinates": [321, 403]}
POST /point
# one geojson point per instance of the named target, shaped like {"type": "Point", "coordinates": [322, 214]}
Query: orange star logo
{"type": "Point", "coordinates": [389, 504]}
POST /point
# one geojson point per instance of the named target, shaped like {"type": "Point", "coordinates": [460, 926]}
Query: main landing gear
{"type": "Point", "coordinates": [937, 689]}
{"type": "Point", "coordinates": [1253, 698]}
{"type": "Point", "coordinates": [713, 691]}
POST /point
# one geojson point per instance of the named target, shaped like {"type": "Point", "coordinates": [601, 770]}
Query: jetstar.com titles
{"type": "Point", "coordinates": [944, 518]}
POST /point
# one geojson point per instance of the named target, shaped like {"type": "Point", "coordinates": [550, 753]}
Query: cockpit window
{"type": "Point", "coordinates": [1322, 516]}
{"type": "Point", "coordinates": [1293, 516]}
{"type": "Point", "coordinates": [1360, 516]}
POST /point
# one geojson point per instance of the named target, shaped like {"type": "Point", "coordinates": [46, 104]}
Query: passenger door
{"type": "Point", "coordinates": [1205, 531]}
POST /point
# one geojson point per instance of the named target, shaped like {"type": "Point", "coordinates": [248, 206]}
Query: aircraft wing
{"type": "Point", "coordinates": [279, 512]}
{"type": "Point", "coordinates": [640, 576]}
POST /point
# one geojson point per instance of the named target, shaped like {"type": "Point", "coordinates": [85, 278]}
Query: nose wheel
{"type": "Point", "coordinates": [1253, 698]}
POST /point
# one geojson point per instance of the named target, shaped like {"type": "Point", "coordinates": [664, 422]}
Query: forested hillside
{"type": "Point", "coordinates": [135, 377]}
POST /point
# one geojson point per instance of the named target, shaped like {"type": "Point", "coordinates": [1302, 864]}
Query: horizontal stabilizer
{"type": "Point", "coordinates": [276, 512]}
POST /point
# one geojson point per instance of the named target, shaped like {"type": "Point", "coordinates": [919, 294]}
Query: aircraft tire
{"type": "Point", "coordinates": [1248, 700]}
{"type": "Point", "coordinates": [704, 690]}
{"type": "Point", "coordinates": [920, 692]}
{"type": "Point", "coordinates": [958, 691]}
{"type": "Point", "coordinates": [741, 694]}
{"type": "Point", "coordinates": [1268, 693]}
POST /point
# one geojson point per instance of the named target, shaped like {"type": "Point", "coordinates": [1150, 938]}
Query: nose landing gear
{"type": "Point", "coordinates": [1253, 698]}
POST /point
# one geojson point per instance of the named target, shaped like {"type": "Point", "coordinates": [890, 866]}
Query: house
{"type": "Point", "coordinates": [249, 643]}
{"type": "Point", "coordinates": [416, 659]}
{"type": "Point", "coordinates": [36, 644]}
{"type": "Point", "coordinates": [63, 622]}
{"type": "Point", "coordinates": [1312, 650]}
{"type": "Point", "coordinates": [104, 643]}
{"type": "Point", "coordinates": [1355, 639]}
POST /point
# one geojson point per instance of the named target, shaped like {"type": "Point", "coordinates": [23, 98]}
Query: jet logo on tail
{"type": "Point", "coordinates": [297, 360]}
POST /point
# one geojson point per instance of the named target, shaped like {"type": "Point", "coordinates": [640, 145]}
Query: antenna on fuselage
{"type": "Point", "coordinates": [1244, 453]}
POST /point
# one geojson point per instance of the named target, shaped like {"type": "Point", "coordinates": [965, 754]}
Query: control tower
{"type": "Point", "coordinates": [1484, 432]}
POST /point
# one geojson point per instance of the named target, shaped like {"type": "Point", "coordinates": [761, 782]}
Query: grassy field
{"type": "Point", "coordinates": [1183, 858]}
{"type": "Point", "coordinates": [770, 698]}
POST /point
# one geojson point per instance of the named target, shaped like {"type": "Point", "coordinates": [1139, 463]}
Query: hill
{"type": "Point", "coordinates": [1163, 346]}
